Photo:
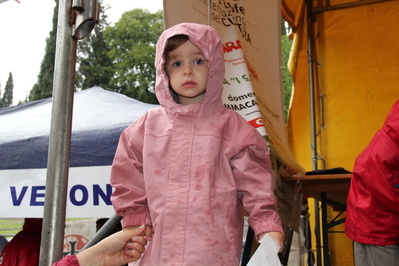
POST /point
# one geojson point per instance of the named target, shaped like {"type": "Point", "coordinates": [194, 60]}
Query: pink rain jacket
{"type": "Point", "coordinates": [372, 215]}
{"type": "Point", "coordinates": [185, 169]}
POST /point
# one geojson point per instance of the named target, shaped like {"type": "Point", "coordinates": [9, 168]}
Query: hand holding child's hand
{"type": "Point", "coordinates": [120, 248]}
{"type": "Point", "coordinates": [148, 231]}
{"type": "Point", "coordinates": [277, 237]}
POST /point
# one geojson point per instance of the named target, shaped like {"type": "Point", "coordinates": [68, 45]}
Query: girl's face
{"type": "Point", "coordinates": [188, 73]}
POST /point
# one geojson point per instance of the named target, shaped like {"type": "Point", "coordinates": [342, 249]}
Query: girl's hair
{"type": "Point", "coordinates": [173, 43]}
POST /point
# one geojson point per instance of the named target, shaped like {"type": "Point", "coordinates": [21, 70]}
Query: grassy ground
{"type": "Point", "coordinates": [9, 228]}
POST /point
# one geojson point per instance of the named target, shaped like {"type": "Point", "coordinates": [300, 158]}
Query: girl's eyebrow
{"type": "Point", "coordinates": [198, 53]}
{"type": "Point", "coordinates": [170, 54]}
{"type": "Point", "coordinates": [173, 56]}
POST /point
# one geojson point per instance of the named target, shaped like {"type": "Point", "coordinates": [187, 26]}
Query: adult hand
{"type": "Point", "coordinates": [148, 231]}
{"type": "Point", "coordinates": [120, 248]}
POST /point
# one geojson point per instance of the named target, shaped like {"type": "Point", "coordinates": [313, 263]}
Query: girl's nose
{"type": "Point", "coordinates": [188, 71]}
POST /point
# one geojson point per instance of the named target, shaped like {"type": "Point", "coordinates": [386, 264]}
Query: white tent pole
{"type": "Point", "coordinates": [60, 139]}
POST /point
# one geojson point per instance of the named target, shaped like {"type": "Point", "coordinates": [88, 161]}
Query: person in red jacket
{"type": "Point", "coordinates": [372, 215]}
{"type": "Point", "coordinates": [24, 247]}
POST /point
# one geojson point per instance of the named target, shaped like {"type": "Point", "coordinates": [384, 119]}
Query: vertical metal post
{"type": "Point", "coordinates": [60, 139]}
{"type": "Point", "coordinates": [311, 89]}
{"type": "Point", "coordinates": [313, 123]}
{"type": "Point", "coordinates": [317, 232]}
{"type": "Point", "coordinates": [326, 254]}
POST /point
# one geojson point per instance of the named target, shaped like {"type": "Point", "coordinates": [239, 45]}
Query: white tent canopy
{"type": "Point", "coordinates": [98, 119]}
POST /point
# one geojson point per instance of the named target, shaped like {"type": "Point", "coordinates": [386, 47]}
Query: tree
{"type": "Point", "coordinates": [43, 88]}
{"type": "Point", "coordinates": [132, 50]}
{"type": "Point", "coordinates": [287, 79]}
{"type": "Point", "coordinates": [6, 100]}
{"type": "Point", "coordinates": [95, 66]}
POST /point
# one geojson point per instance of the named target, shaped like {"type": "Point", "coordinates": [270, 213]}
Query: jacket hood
{"type": "Point", "coordinates": [208, 42]}
{"type": "Point", "coordinates": [33, 224]}
{"type": "Point", "coordinates": [391, 124]}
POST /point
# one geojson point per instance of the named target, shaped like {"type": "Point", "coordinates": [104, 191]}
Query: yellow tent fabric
{"type": "Point", "coordinates": [356, 76]}
{"type": "Point", "coordinates": [355, 79]}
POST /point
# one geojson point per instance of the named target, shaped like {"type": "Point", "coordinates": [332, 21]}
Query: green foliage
{"type": "Point", "coordinates": [131, 45]}
{"type": "Point", "coordinates": [287, 79]}
{"type": "Point", "coordinates": [43, 88]}
{"type": "Point", "coordinates": [6, 100]}
{"type": "Point", "coordinates": [120, 58]}
{"type": "Point", "coordinates": [95, 66]}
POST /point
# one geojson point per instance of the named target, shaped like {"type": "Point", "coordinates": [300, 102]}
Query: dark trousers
{"type": "Point", "coordinates": [372, 255]}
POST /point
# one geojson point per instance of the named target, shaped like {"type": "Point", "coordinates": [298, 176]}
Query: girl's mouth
{"type": "Point", "coordinates": [189, 84]}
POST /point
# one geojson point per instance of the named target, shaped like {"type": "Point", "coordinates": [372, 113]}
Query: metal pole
{"type": "Point", "coordinates": [313, 125]}
{"type": "Point", "coordinates": [103, 232]}
{"type": "Point", "coordinates": [60, 139]}
{"type": "Point", "coordinates": [311, 90]}
{"type": "Point", "coordinates": [326, 254]}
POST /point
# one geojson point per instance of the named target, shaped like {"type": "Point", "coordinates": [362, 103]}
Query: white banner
{"type": "Point", "coordinates": [238, 94]}
{"type": "Point", "coordinates": [23, 191]}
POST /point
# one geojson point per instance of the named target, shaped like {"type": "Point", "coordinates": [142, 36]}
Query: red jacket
{"type": "Point", "coordinates": [372, 215]}
{"type": "Point", "coordinates": [70, 260]}
{"type": "Point", "coordinates": [24, 248]}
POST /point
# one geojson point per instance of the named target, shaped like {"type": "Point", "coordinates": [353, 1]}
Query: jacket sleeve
{"type": "Point", "coordinates": [380, 171]}
{"type": "Point", "coordinates": [129, 197]}
{"type": "Point", "coordinates": [70, 260]}
{"type": "Point", "coordinates": [252, 172]}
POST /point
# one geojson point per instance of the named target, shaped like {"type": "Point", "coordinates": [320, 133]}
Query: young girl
{"type": "Point", "coordinates": [188, 168]}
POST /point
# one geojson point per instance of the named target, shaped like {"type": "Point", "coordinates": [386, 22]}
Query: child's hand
{"type": "Point", "coordinates": [148, 231]}
{"type": "Point", "coordinates": [277, 237]}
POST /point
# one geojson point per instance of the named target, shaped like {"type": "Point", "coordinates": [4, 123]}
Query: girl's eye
{"type": "Point", "coordinates": [176, 64]}
{"type": "Point", "coordinates": [198, 61]}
